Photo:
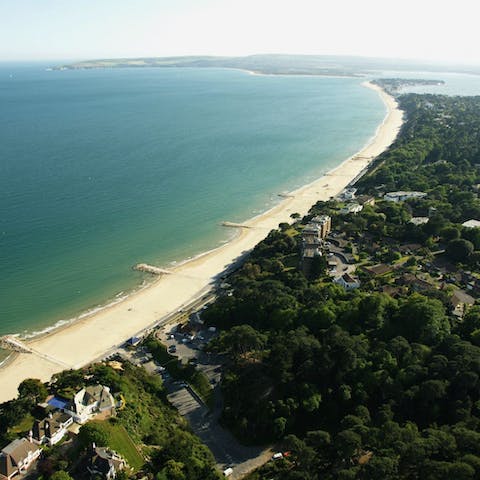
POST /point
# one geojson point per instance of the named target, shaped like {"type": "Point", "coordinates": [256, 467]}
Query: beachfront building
{"type": "Point", "coordinates": [353, 208]}
{"type": "Point", "coordinates": [51, 429]}
{"type": "Point", "coordinates": [402, 196]}
{"type": "Point", "coordinates": [17, 457]}
{"type": "Point", "coordinates": [90, 401]}
{"type": "Point", "coordinates": [349, 193]}
{"type": "Point", "coordinates": [312, 244]}
{"type": "Point", "coordinates": [311, 233]}
{"type": "Point", "coordinates": [104, 462]}
{"type": "Point", "coordinates": [324, 223]}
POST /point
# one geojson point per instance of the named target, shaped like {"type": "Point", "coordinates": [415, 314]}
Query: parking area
{"type": "Point", "coordinates": [187, 344]}
{"type": "Point", "coordinates": [203, 421]}
{"type": "Point", "coordinates": [225, 448]}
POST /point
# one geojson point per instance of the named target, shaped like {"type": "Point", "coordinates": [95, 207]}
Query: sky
{"type": "Point", "coordinates": [440, 30]}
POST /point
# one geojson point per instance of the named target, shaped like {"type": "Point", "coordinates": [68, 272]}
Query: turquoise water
{"type": "Point", "coordinates": [102, 169]}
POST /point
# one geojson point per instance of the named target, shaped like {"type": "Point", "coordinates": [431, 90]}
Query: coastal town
{"type": "Point", "coordinates": [236, 461]}
{"type": "Point", "coordinates": [336, 315]}
{"type": "Point", "coordinates": [239, 240]}
{"type": "Point", "coordinates": [332, 241]}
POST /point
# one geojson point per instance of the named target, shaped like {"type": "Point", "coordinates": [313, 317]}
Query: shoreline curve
{"type": "Point", "coordinates": [89, 337]}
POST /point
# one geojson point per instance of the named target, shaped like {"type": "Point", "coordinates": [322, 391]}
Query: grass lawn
{"type": "Point", "coordinates": [120, 441]}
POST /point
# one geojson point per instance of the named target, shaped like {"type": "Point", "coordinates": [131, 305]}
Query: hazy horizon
{"type": "Point", "coordinates": [54, 31]}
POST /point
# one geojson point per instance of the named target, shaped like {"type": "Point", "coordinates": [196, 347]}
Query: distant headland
{"type": "Point", "coordinates": [276, 64]}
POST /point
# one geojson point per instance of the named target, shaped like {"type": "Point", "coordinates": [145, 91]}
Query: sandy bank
{"type": "Point", "coordinates": [89, 338]}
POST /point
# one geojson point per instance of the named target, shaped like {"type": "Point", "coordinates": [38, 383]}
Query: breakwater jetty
{"type": "Point", "coordinates": [144, 267]}
{"type": "Point", "coordinates": [234, 225]}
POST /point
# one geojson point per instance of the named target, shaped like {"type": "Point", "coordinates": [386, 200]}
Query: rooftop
{"type": "Point", "coordinates": [419, 220]}
{"type": "Point", "coordinates": [471, 224]}
{"type": "Point", "coordinates": [379, 269]}
{"type": "Point", "coordinates": [320, 219]}
{"type": "Point", "coordinates": [348, 278]}
{"type": "Point", "coordinates": [459, 297]}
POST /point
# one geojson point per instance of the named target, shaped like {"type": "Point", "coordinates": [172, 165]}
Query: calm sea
{"type": "Point", "coordinates": [102, 169]}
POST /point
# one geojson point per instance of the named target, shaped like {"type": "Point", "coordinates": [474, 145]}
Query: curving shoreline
{"type": "Point", "coordinates": [81, 342]}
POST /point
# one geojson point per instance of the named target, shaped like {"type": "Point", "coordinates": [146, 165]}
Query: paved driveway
{"type": "Point", "coordinates": [228, 452]}
{"type": "Point", "coordinates": [225, 448]}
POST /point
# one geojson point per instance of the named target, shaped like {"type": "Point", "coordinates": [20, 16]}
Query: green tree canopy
{"type": "Point", "coordinates": [33, 389]}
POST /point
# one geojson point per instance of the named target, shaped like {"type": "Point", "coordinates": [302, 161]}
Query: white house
{"type": "Point", "coordinates": [347, 282]}
{"type": "Point", "coordinates": [17, 457]}
{"type": "Point", "coordinates": [349, 193]}
{"type": "Point", "coordinates": [402, 196]}
{"type": "Point", "coordinates": [351, 208]}
{"type": "Point", "coordinates": [52, 429]}
{"type": "Point", "coordinates": [89, 401]}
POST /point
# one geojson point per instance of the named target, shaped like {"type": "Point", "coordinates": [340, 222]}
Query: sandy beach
{"type": "Point", "coordinates": [91, 337]}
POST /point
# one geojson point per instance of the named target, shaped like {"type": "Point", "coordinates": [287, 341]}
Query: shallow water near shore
{"type": "Point", "coordinates": [106, 168]}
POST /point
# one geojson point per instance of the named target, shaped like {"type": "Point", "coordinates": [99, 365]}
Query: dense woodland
{"type": "Point", "coordinates": [364, 384]}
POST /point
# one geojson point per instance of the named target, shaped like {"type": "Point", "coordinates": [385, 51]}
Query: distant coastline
{"type": "Point", "coordinates": [275, 64]}
{"type": "Point", "coordinates": [80, 342]}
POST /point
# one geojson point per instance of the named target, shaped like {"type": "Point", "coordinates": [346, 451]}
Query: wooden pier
{"type": "Point", "coordinates": [12, 343]}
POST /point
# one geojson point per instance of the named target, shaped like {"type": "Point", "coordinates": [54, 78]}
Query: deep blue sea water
{"type": "Point", "coordinates": [101, 169]}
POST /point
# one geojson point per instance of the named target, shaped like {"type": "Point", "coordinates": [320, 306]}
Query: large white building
{"type": "Point", "coordinates": [351, 208]}
{"type": "Point", "coordinates": [349, 193]}
{"type": "Point", "coordinates": [402, 196]}
{"type": "Point", "coordinates": [323, 223]}
{"type": "Point", "coordinates": [90, 401]}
